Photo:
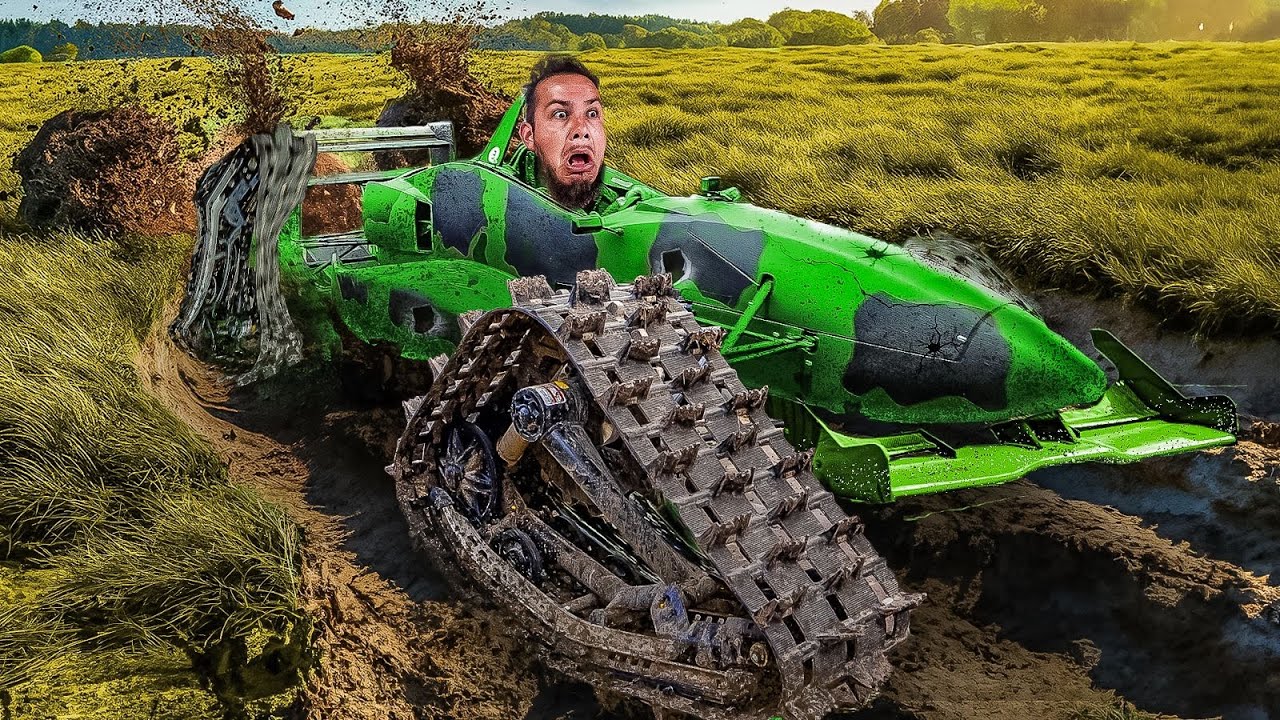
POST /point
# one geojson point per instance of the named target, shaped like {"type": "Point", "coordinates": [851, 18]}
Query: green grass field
{"type": "Point", "coordinates": [1144, 170]}
{"type": "Point", "coordinates": [122, 545]}
{"type": "Point", "coordinates": [1148, 171]}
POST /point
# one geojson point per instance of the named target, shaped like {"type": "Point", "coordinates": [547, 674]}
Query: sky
{"type": "Point", "coordinates": [324, 13]}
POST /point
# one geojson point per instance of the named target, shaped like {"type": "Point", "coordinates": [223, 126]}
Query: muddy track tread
{"type": "Point", "coordinates": [796, 561]}
{"type": "Point", "coordinates": [233, 311]}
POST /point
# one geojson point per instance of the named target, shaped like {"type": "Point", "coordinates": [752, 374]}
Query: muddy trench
{"type": "Point", "coordinates": [1067, 590]}
{"type": "Point", "coordinates": [1150, 619]}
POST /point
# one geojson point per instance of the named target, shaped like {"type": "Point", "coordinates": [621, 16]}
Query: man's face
{"type": "Point", "coordinates": [567, 135]}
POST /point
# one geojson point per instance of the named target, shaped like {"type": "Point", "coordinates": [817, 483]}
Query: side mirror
{"type": "Point", "coordinates": [589, 223]}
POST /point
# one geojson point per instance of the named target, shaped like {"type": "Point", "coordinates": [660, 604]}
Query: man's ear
{"type": "Point", "coordinates": [526, 133]}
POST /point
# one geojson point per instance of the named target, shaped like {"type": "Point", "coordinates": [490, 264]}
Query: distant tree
{"type": "Point", "coordinates": [591, 41]}
{"type": "Point", "coordinates": [613, 24]}
{"type": "Point", "coordinates": [613, 40]}
{"type": "Point", "coordinates": [988, 21]}
{"type": "Point", "coordinates": [66, 52]}
{"type": "Point", "coordinates": [1266, 27]}
{"type": "Point", "coordinates": [898, 21]}
{"type": "Point", "coordinates": [929, 36]}
{"type": "Point", "coordinates": [1199, 19]}
{"type": "Point", "coordinates": [533, 33]}
{"type": "Point", "coordinates": [751, 33]}
{"type": "Point", "coordinates": [793, 24]}
{"type": "Point", "coordinates": [1092, 19]}
{"type": "Point", "coordinates": [633, 35]}
{"type": "Point", "coordinates": [21, 54]}
{"type": "Point", "coordinates": [676, 38]}
{"type": "Point", "coordinates": [835, 28]}
{"type": "Point", "coordinates": [820, 27]}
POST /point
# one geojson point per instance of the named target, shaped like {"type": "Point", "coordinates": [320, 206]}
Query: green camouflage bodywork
{"type": "Point", "coordinates": [866, 348]}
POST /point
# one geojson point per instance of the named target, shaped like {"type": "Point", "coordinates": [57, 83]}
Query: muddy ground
{"type": "Point", "coordinates": [1070, 589]}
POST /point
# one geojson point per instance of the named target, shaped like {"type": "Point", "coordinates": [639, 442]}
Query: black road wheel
{"type": "Point", "coordinates": [517, 548]}
{"type": "Point", "coordinates": [469, 471]}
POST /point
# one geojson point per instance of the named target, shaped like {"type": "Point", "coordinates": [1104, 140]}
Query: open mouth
{"type": "Point", "coordinates": [580, 162]}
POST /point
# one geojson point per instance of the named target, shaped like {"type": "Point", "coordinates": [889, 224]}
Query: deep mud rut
{"type": "Point", "coordinates": [392, 646]}
{"type": "Point", "coordinates": [1054, 593]}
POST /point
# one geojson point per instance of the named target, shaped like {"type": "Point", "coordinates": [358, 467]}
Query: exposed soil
{"type": "Point", "coordinates": [113, 171]}
{"type": "Point", "coordinates": [393, 645]}
{"type": "Point", "coordinates": [331, 209]}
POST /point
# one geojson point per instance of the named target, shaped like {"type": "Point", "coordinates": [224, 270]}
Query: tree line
{"type": "Point", "coordinates": [988, 21]}
{"type": "Point", "coordinates": [893, 21]}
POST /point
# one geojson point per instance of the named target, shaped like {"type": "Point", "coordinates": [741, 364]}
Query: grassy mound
{"type": "Point", "coordinates": [121, 542]}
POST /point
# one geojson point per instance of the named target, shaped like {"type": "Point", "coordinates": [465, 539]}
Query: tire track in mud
{"type": "Point", "coordinates": [391, 646]}
{"type": "Point", "coordinates": [1040, 576]}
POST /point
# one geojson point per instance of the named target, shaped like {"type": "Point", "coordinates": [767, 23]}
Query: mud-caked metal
{"type": "Point", "coordinates": [661, 536]}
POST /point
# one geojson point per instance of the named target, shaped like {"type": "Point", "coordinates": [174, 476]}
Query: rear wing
{"type": "Point", "coordinates": [436, 138]}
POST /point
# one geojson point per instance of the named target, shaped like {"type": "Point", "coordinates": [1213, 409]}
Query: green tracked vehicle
{"type": "Point", "coordinates": [599, 452]}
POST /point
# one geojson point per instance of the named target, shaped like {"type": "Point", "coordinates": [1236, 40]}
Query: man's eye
{"type": "Point", "coordinates": [593, 113]}
{"type": "Point", "coordinates": [559, 114]}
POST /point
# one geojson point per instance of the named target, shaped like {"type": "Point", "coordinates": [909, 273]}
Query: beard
{"type": "Point", "coordinates": [580, 195]}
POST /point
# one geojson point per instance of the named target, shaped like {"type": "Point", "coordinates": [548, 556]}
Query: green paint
{"type": "Point", "coordinates": [806, 315]}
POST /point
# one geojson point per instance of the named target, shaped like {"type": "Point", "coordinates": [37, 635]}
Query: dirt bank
{"type": "Point", "coordinates": [1049, 593]}
{"type": "Point", "coordinates": [393, 645]}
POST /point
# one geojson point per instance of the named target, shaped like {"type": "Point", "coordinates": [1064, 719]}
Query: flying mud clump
{"type": "Point", "coordinates": [257, 81]}
{"type": "Point", "coordinates": [112, 171]}
{"type": "Point", "coordinates": [436, 58]}
{"type": "Point", "coordinates": [120, 169]}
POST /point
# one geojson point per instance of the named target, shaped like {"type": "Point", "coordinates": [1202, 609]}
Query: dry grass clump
{"type": "Point", "coordinates": [27, 642]}
{"type": "Point", "coordinates": [141, 545]}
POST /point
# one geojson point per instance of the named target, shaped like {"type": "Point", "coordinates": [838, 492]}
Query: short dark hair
{"type": "Point", "coordinates": [553, 65]}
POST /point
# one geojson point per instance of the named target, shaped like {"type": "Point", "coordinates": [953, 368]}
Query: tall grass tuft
{"type": "Point", "coordinates": [28, 643]}
{"type": "Point", "coordinates": [142, 545]}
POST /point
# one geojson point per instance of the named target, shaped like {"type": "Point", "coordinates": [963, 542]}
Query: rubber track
{"type": "Point", "coordinates": [233, 311]}
{"type": "Point", "coordinates": [799, 564]}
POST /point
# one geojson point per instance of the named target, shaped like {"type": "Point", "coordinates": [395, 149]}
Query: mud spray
{"type": "Point", "coordinates": [436, 60]}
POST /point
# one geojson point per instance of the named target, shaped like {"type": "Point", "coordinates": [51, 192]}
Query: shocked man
{"type": "Point", "coordinates": [564, 128]}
